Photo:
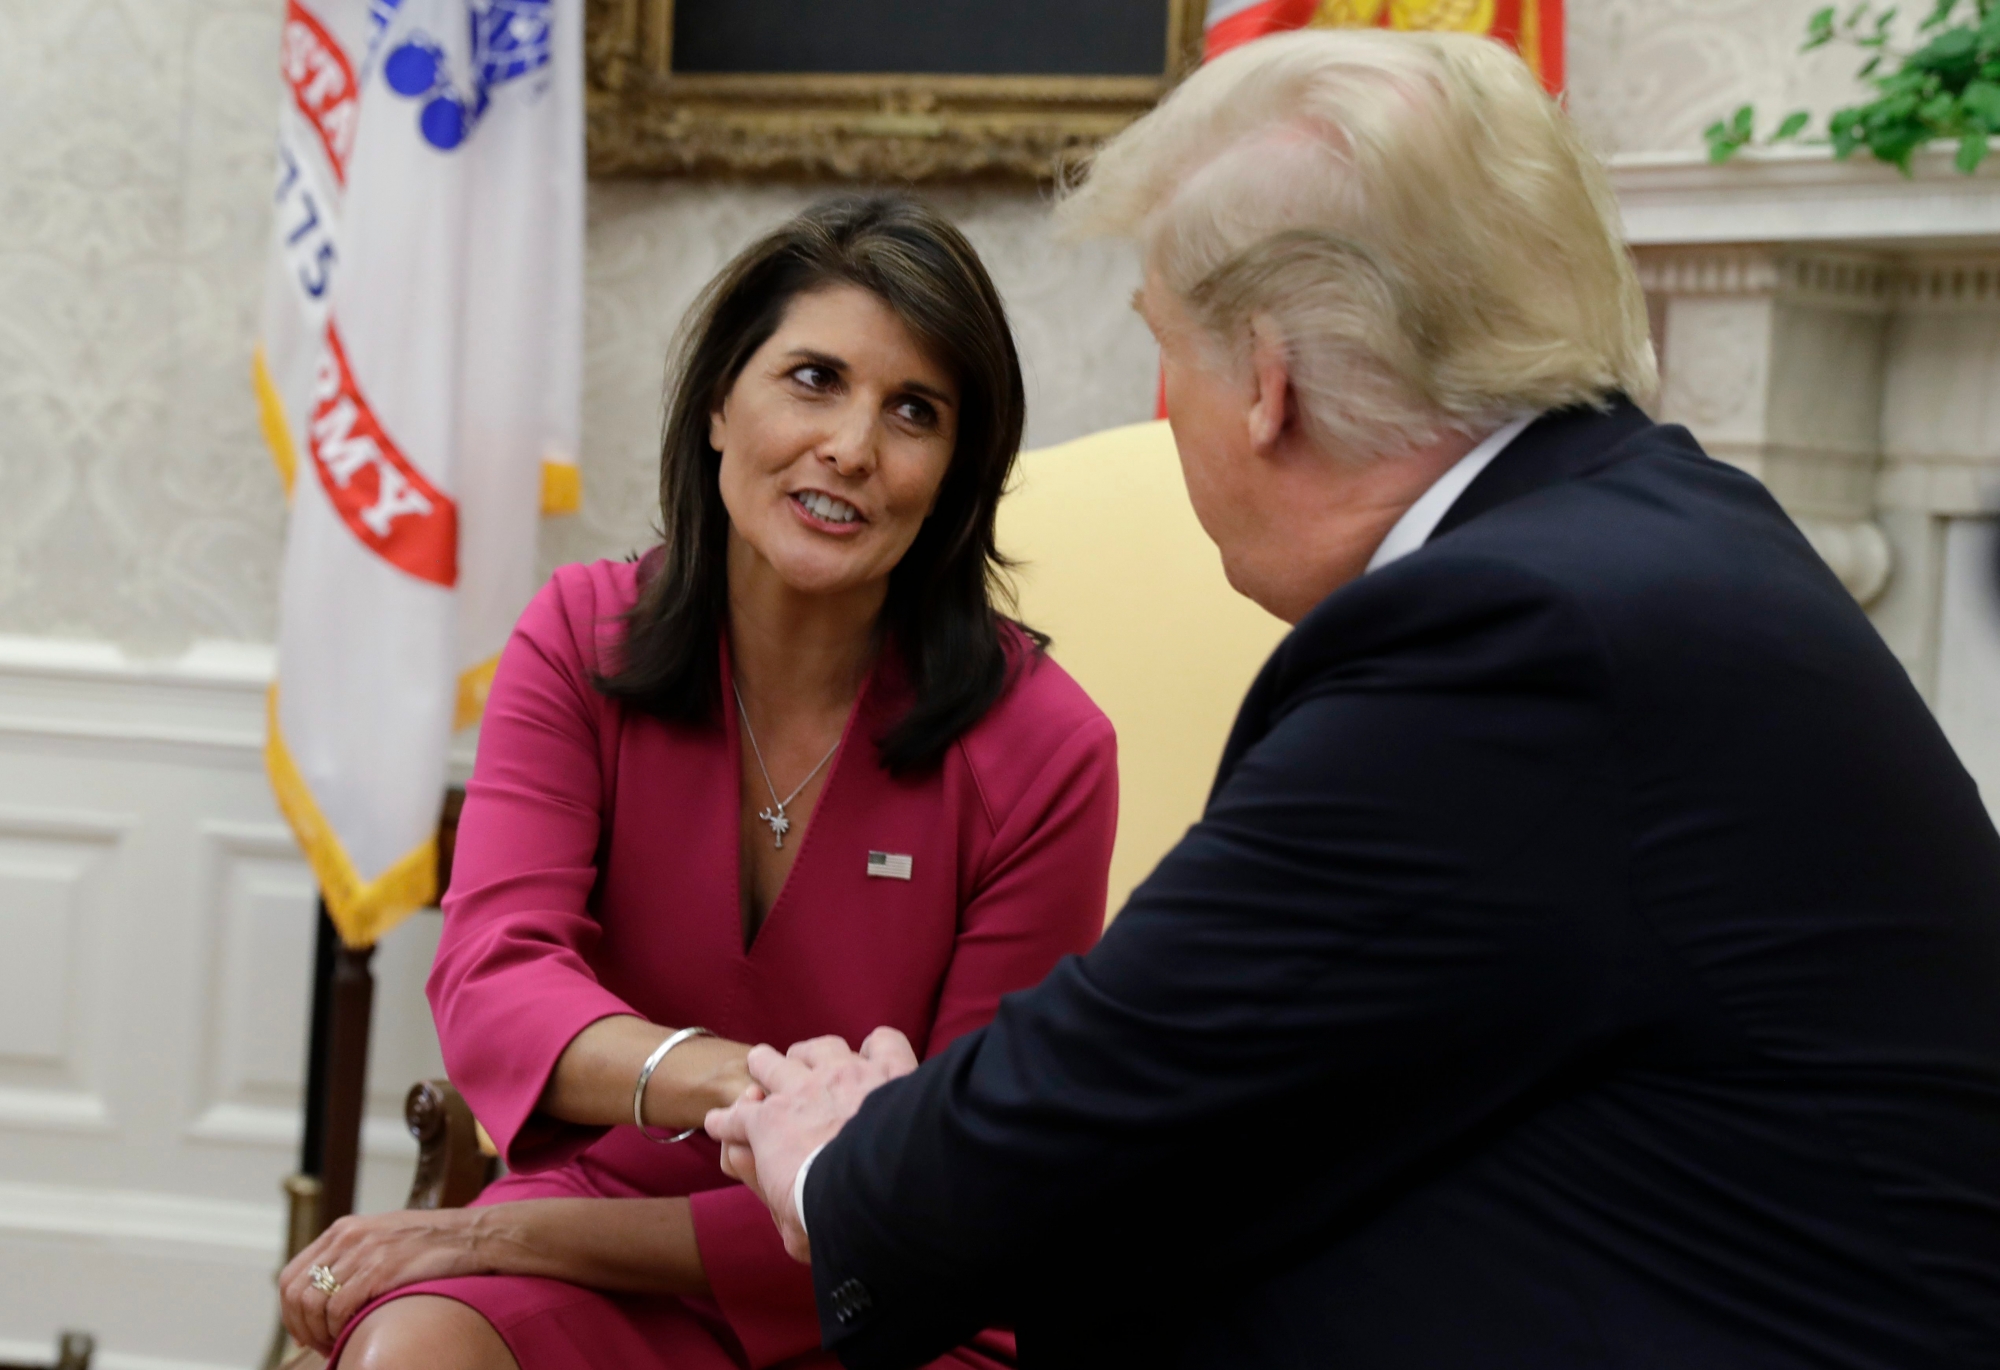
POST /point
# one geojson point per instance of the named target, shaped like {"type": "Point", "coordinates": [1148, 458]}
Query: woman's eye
{"type": "Point", "coordinates": [815, 377]}
{"type": "Point", "coordinates": [917, 412]}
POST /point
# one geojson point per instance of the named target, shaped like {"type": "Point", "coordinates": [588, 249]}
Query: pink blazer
{"type": "Point", "coordinates": [597, 872]}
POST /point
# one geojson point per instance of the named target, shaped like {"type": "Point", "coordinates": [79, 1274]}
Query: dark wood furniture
{"type": "Point", "coordinates": [453, 1162]}
{"type": "Point", "coordinates": [73, 1352]}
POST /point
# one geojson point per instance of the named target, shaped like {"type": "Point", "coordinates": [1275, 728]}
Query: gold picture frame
{"type": "Point", "coordinates": [645, 120]}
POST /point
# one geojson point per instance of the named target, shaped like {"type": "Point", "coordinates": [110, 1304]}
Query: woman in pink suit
{"type": "Point", "coordinates": [789, 774]}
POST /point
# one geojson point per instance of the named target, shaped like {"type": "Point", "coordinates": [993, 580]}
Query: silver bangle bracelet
{"type": "Point", "coordinates": [646, 1074]}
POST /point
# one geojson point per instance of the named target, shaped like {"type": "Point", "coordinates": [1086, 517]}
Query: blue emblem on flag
{"type": "Point", "coordinates": [381, 13]}
{"type": "Point", "coordinates": [509, 40]}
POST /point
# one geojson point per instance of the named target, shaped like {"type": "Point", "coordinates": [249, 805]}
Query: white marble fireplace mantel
{"type": "Point", "coordinates": [1801, 195]}
{"type": "Point", "coordinates": [1834, 327]}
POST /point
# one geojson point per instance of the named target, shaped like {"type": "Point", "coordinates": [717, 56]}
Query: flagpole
{"type": "Point", "coordinates": [326, 944]}
{"type": "Point", "coordinates": [343, 993]}
{"type": "Point", "coordinates": [345, 1094]}
{"type": "Point", "coordinates": [343, 997]}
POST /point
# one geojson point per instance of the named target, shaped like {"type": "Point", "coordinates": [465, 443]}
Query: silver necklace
{"type": "Point", "coordinates": [780, 825]}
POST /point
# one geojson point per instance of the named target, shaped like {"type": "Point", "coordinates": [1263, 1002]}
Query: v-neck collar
{"type": "Point", "coordinates": [865, 700]}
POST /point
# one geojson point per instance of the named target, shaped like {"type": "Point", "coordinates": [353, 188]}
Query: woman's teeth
{"type": "Point", "coordinates": [827, 507]}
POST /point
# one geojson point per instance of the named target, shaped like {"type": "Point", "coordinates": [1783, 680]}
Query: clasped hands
{"type": "Point", "coordinates": [799, 1102]}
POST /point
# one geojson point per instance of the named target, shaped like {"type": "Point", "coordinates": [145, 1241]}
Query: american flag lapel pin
{"type": "Point", "coordinates": [888, 865]}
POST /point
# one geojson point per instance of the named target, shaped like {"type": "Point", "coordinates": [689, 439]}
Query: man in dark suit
{"type": "Point", "coordinates": [1590, 952]}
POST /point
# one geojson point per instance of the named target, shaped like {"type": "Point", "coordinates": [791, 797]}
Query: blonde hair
{"type": "Point", "coordinates": [1409, 213]}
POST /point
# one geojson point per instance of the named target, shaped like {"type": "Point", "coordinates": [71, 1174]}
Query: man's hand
{"type": "Point", "coordinates": [800, 1101]}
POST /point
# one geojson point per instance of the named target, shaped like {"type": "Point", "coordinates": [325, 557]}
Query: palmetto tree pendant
{"type": "Point", "coordinates": [780, 825]}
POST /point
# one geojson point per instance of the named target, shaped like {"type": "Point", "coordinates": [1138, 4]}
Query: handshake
{"type": "Point", "coordinates": [799, 1103]}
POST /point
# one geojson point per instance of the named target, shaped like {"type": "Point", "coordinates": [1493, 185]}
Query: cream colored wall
{"type": "Point", "coordinates": [135, 169]}
{"type": "Point", "coordinates": [1649, 75]}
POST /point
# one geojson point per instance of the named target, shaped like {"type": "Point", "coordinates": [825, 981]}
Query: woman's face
{"type": "Point", "coordinates": [834, 440]}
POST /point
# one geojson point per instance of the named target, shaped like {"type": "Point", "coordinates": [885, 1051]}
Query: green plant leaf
{"type": "Point", "coordinates": [1744, 124]}
{"type": "Point", "coordinates": [1981, 101]}
{"type": "Point", "coordinates": [1939, 16]}
{"type": "Point", "coordinates": [1844, 128]}
{"type": "Point", "coordinates": [1952, 52]}
{"type": "Point", "coordinates": [1726, 137]}
{"type": "Point", "coordinates": [1720, 146]}
{"type": "Point", "coordinates": [1948, 88]}
{"type": "Point", "coordinates": [1896, 144]}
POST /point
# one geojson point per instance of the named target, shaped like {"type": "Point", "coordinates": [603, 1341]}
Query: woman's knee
{"type": "Point", "coordinates": [425, 1332]}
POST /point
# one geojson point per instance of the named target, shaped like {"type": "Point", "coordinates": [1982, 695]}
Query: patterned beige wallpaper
{"type": "Point", "coordinates": [135, 500]}
{"type": "Point", "coordinates": [134, 503]}
{"type": "Point", "coordinates": [1649, 75]}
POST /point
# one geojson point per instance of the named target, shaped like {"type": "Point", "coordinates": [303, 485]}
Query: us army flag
{"type": "Point", "coordinates": [1534, 28]}
{"type": "Point", "coordinates": [418, 375]}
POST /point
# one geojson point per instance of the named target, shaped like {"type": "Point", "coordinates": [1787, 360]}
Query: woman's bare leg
{"type": "Point", "coordinates": [425, 1332]}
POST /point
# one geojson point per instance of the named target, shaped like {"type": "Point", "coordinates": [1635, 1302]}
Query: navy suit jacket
{"type": "Point", "coordinates": [1589, 957]}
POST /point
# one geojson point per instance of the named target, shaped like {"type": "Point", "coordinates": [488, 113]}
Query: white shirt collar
{"type": "Point", "coordinates": [1421, 519]}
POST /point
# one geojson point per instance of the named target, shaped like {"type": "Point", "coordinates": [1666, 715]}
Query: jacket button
{"type": "Point", "coordinates": [850, 1300]}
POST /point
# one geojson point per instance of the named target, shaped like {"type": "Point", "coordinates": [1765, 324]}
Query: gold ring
{"type": "Point", "coordinates": [323, 1280]}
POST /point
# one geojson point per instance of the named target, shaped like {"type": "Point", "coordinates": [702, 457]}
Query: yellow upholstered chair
{"type": "Point", "coordinates": [1115, 568]}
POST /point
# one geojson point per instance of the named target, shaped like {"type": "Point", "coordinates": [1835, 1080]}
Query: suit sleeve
{"type": "Point", "coordinates": [1391, 927]}
{"type": "Point", "coordinates": [1039, 896]}
{"type": "Point", "coordinates": [512, 986]}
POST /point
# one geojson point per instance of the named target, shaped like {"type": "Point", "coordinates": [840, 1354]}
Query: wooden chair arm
{"type": "Point", "coordinates": [451, 1166]}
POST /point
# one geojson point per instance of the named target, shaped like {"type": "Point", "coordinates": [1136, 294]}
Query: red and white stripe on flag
{"type": "Point", "coordinates": [1534, 28]}
{"type": "Point", "coordinates": [421, 355]}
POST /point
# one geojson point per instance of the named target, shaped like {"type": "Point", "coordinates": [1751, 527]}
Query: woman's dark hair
{"type": "Point", "coordinates": [941, 610]}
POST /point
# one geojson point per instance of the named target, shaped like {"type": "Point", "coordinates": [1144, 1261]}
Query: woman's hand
{"type": "Point", "coordinates": [371, 1256]}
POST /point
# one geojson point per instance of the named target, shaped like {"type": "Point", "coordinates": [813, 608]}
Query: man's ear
{"type": "Point", "coordinates": [1271, 406]}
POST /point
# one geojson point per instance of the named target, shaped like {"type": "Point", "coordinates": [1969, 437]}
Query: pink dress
{"type": "Point", "coordinates": [596, 874]}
